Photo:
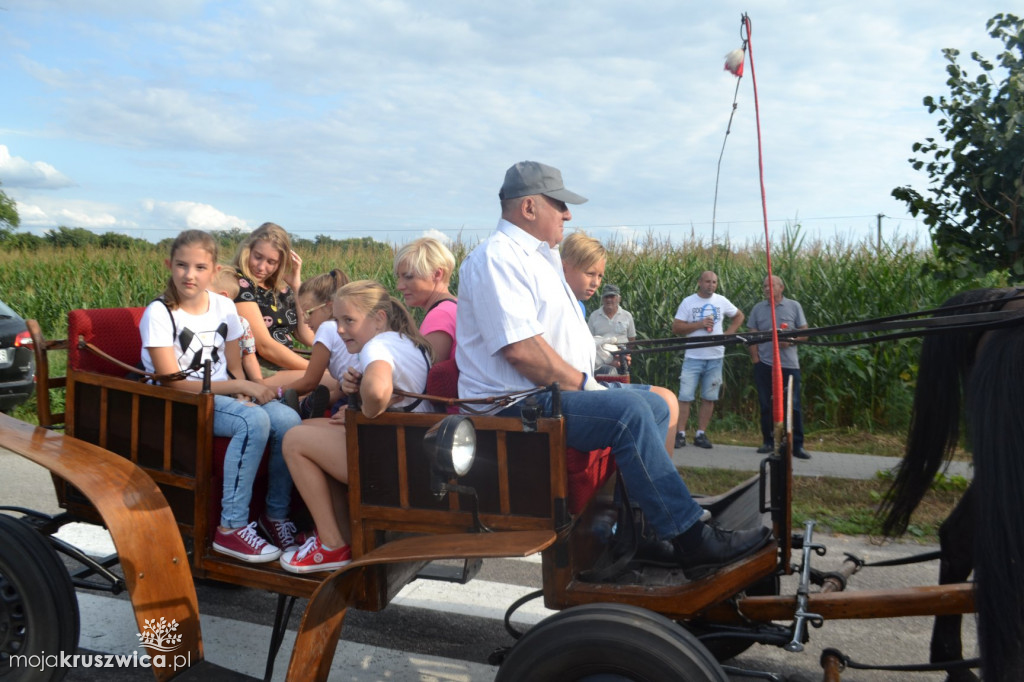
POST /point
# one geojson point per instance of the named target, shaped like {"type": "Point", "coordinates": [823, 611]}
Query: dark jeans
{"type": "Point", "coordinates": [634, 425]}
{"type": "Point", "coordinates": [763, 380]}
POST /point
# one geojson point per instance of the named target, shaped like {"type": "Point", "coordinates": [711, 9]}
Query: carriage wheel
{"type": "Point", "coordinates": [38, 608]}
{"type": "Point", "coordinates": [610, 643]}
{"type": "Point", "coordinates": [725, 648]}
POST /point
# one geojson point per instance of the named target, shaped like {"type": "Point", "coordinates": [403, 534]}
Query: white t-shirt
{"type": "Point", "coordinates": [512, 288]}
{"type": "Point", "coordinates": [695, 307]}
{"type": "Point", "coordinates": [199, 337]}
{"type": "Point", "coordinates": [341, 359]}
{"type": "Point", "coordinates": [408, 365]}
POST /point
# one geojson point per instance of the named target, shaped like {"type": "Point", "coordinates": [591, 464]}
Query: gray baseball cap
{"type": "Point", "coordinates": [610, 290]}
{"type": "Point", "coordinates": [529, 177]}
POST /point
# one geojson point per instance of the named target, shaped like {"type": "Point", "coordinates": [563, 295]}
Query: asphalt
{"type": "Point", "coordinates": [826, 464]}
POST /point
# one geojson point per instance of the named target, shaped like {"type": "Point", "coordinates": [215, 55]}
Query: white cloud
{"type": "Point", "coordinates": [190, 215]}
{"type": "Point", "coordinates": [18, 172]}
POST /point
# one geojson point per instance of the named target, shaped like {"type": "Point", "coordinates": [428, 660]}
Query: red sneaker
{"type": "Point", "coordinates": [281, 533]}
{"type": "Point", "coordinates": [246, 544]}
{"type": "Point", "coordinates": [312, 557]}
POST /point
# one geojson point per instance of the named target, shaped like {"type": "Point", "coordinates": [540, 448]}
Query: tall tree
{"type": "Point", "coordinates": [976, 170]}
{"type": "Point", "coordinates": [9, 219]}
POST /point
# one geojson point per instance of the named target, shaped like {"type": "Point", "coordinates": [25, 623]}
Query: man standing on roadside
{"type": "Point", "coordinates": [701, 314]}
{"type": "Point", "coordinates": [519, 327]}
{"type": "Point", "coordinates": [789, 314]}
{"type": "Point", "coordinates": [611, 319]}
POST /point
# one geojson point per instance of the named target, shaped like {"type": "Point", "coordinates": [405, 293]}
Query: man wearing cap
{"type": "Point", "coordinates": [519, 327]}
{"type": "Point", "coordinates": [610, 318]}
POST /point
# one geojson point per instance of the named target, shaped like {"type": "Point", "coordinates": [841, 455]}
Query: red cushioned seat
{"type": "Point", "coordinates": [115, 331]}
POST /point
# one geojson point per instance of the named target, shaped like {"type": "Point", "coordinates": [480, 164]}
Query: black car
{"type": "Point", "coordinates": [17, 361]}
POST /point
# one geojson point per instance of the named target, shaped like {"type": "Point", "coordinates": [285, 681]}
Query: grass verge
{"type": "Point", "coordinates": [842, 506]}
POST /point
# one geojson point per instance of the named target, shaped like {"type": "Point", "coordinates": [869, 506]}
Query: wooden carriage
{"type": "Point", "coordinates": [525, 493]}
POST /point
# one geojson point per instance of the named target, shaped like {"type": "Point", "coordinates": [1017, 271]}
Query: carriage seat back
{"type": "Point", "coordinates": [588, 471]}
{"type": "Point", "coordinates": [115, 331]}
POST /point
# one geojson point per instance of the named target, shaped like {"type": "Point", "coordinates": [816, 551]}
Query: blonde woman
{"type": "Point", "coordinates": [269, 275]}
{"type": "Point", "coordinates": [423, 272]}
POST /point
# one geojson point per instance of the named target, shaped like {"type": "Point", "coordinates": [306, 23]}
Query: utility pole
{"type": "Point", "coordinates": [880, 216]}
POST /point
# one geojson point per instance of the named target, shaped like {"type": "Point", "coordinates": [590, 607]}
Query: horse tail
{"type": "Point", "coordinates": [995, 395]}
{"type": "Point", "coordinates": [936, 412]}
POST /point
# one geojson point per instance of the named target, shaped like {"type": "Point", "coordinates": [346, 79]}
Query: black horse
{"type": "Point", "coordinates": [976, 375]}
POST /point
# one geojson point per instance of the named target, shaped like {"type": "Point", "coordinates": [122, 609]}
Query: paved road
{"type": "Point", "coordinates": [831, 464]}
{"type": "Point", "coordinates": [437, 631]}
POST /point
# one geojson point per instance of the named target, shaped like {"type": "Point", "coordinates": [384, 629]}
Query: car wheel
{"type": "Point", "coordinates": [609, 643]}
{"type": "Point", "coordinates": [38, 607]}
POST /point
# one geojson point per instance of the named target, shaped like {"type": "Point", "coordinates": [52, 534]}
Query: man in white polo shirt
{"type": "Point", "coordinates": [519, 327]}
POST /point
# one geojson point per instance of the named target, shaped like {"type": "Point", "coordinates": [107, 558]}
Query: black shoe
{"type": "Point", "coordinates": [766, 448]}
{"type": "Point", "coordinates": [701, 441]}
{"type": "Point", "coordinates": [680, 440]}
{"type": "Point", "coordinates": [801, 454]}
{"type": "Point", "coordinates": [718, 548]}
{"type": "Point", "coordinates": [316, 403]}
{"type": "Point", "coordinates": [291, 399]}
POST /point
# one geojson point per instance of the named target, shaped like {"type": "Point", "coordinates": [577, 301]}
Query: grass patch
{"type": "Point", "coordinates": [843, 506]}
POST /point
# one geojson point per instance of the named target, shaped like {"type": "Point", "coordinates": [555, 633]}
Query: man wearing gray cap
{"type": "Point", "coordinates": [519, 327]}
{"type": "Point", "coordinates": [610, 318]}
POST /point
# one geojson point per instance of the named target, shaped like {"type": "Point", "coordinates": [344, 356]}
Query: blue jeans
{"type": "Point", "coordinates": [763, 381]}
{"type": "Point", "coordinates": [634, 424]}
{"type": "Point", "coordinates": [250, 427]}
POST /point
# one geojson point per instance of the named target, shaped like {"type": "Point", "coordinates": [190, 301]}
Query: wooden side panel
{"type": "Point", "coordinates": [141, 525]}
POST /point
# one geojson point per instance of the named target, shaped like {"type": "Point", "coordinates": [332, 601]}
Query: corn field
{"type": "Point", "coordinates": [863, 387]}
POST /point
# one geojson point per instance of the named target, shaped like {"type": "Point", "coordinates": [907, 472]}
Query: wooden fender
{"type": "Point", "coordinates": [321, 623]}
{"type": "Point", "coordinates": [140, 522]}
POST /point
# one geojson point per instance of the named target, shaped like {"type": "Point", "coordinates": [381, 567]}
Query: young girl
{"type": "Point", "coordinates": [391, 354]}
{"type": "Point", "coordinates": [423, 273]}
{"type": "Point", "coordinates": [269, 275]}
{"type": "Point", "coordinates": [188, 327]}
{"type": "Point", "coordinates": [329, 354]}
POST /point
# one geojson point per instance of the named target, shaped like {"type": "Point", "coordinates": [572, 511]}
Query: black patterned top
{"type": "Point", "coordinates": [278, 312]}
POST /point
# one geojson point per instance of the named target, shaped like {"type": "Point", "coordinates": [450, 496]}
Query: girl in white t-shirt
{"type": "Point", "coordinates": [329, 358]}
{"type": "Point", "coordinates": [390, 354]}
{"type": "Point", "coordinates": [180, 333]}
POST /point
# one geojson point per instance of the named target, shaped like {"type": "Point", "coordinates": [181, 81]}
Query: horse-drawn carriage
{"type": "Point", "coordinates": [141, 460]}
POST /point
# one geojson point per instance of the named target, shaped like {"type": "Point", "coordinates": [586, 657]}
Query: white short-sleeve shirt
{"type": "Point", "coordinates": [341, 359]}
{"type": "Point", "coordinates": [195, 338]}
{"type": "Point", "coordinates": [695, 307]}
{"type": "Point", "coordinates": [409, 365]}
{"type": "Point", "coordinates": [512, 288]}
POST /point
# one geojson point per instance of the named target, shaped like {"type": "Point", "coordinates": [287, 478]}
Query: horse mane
{"type": "Point", "coordinates": [994, 397]}
{"type": "Point", "coordinates": [945, 362]}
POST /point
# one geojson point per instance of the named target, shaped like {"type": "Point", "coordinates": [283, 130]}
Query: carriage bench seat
{"type": "Point", "coordinates": [588, 471]}
{"type": "Point", "coordinates": [115, 331]}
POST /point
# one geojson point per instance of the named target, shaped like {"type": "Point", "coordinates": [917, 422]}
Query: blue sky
{"type": "Point", "coordinates": [392, 118]}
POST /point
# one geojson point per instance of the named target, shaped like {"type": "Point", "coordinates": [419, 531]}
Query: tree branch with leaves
{"type": "Point", "coordinates": [972, 206]}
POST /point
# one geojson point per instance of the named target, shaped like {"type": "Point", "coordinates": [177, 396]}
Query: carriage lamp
{"type": "Point", "coordinates": [451, 447]}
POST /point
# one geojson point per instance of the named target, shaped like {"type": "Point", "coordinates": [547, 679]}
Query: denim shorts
{"type": "Point", "coordinates": [707, 372]}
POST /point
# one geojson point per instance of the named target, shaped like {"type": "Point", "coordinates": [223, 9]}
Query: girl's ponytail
{"type": "Point", "coordinates": [401, 321]}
